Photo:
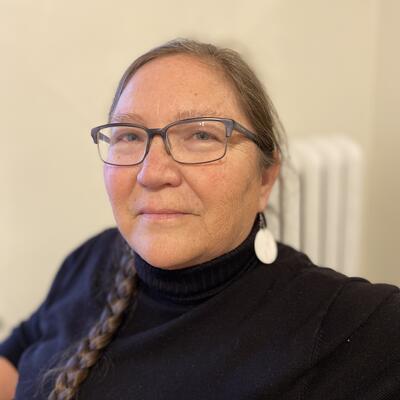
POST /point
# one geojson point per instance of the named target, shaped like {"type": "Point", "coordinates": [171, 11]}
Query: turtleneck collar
{"type": "Point", "coordinates": [200, 282]}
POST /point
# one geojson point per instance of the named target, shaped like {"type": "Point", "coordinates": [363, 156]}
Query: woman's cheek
{"type": "Point", "coordinates": [119, 184]}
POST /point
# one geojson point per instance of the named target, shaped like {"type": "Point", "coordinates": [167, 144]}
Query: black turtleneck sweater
{"type": "Point", "coordinates": [231, 328]}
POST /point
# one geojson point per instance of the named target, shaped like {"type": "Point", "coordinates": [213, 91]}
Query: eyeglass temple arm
{"type": "Point", "coordinates": [250, 135]}
{"type": "Point", "coordinates": [99, 136]}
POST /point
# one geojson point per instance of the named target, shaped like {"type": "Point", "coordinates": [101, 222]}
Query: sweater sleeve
{"type": "Point", "coordinates": [21, 337]}
{"type": "Point", "coordinates": [66, 279]}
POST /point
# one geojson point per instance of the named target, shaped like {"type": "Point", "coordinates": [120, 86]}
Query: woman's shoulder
{"type": "Point", "coordinates": [345, 291]}
{"type": "Point", "coordinates": [85, 264]}
{"type": "Point", "coordinates": [356, 325]}
{"type": "Point", "coordinates": [98, 244]}
{"type": "Point", "coordinates": [355, 315]}
{"type": "Point", "coordinates": [69, 291]}
{"type": "Point", "coordinates": [298, 266]}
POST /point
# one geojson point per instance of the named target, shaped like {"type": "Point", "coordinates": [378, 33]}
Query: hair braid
{"type": "Point", "coordinates": [90, 348]}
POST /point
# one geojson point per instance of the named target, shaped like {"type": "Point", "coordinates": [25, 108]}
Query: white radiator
{"type": "Point", "coordinates": [316, 205]}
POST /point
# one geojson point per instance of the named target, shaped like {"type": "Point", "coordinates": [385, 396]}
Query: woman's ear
{"type": "Point", "coordinates": [268, 178]}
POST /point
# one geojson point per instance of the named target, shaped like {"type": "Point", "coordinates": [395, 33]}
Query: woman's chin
{"type": "Point", "coordinates": [165, 244]}
{"type": "Point", "coordinates": [167, 251]}
{"type": "Point", "coordinates": [166, 259]}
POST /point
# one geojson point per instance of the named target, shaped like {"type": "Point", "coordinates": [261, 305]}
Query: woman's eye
{"type": "Point", "coordinates": [126, 137]}
{"type": "Point", "coordinates": [129, 137]}
{"type": "Point", "coordinates": [204, 136]}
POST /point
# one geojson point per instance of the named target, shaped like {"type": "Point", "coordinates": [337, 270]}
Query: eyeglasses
{"type": "Point", "coordinates": [188, 141]}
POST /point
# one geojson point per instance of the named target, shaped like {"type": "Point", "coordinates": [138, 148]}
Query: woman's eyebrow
{"type": "Point", "coordinates": [127, 117]}
{"type": "Point", "coordinates": [195, 113]}
{"type": "Point", "coordinates": [182, 114]}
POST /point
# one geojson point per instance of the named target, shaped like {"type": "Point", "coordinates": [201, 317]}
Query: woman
{"type": "Point", "coordinates": [188, 299]}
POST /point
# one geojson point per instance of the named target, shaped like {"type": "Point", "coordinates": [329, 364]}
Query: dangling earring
{"type": "Point", "coordinates": [264, 243]}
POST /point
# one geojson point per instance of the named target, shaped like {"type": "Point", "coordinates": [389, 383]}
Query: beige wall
{"type": "Point", "coordinates": [329, 66]}
{"type": "Point", "coordinates": [382, 200]}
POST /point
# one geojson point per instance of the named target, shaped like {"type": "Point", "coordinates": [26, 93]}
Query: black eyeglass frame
{"type": "Point", "coordinates": [230, 126]}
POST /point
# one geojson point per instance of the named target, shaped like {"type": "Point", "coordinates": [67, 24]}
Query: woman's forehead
{"type": "Point", "coordinates": [180, 85]}
{"type": "Point", "coordinates": [181, 71]}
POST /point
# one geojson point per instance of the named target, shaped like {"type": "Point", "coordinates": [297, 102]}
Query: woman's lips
{"type": "Point", "coordinates": [162, 214]}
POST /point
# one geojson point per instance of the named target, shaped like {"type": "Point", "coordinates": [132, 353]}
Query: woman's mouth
{"type": "Point", "coordinates": [161, 214]}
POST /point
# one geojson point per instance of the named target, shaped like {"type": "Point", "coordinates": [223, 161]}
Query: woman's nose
{"type": "Point", "coordinates": [159, 168]}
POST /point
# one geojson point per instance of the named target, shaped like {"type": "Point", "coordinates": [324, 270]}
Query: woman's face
{"type": "Point", "coordinates": [177, 215]}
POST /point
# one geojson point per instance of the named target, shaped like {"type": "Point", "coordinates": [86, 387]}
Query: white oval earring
{"type": "Point", "coordinates": [264, 244]}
